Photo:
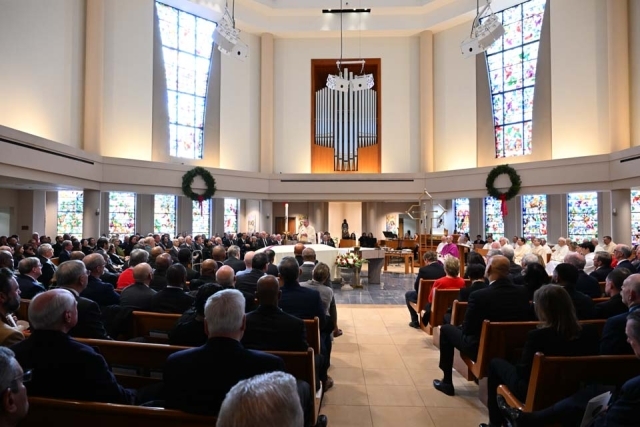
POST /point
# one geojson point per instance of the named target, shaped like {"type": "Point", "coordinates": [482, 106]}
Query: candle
{"type": "Point", "coordinates": [286, 217]}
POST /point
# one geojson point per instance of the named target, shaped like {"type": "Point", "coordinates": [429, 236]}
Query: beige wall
{"type": "Point", "coordinates": [634, 71]}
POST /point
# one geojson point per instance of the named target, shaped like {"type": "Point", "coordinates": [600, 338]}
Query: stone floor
{"type": "Point", "coordinates": [390, 292]}
{"type": "Point", "coordinates": [383, 372]}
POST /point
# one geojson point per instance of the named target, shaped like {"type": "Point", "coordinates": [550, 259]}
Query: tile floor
{"type": "Point", "coordinates": [394, 285]}
{"type": "Point", "coordinates": [383, 371]}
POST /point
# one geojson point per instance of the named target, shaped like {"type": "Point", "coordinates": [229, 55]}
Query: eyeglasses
{"type": "Point", "coordinates": [24, 378]}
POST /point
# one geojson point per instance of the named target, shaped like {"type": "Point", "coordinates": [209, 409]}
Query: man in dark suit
{"type": "Point", "coordinates": [173, 298]}
{"type": "Point", "coordinates": [208, 270]}
{"type": "Point", "coordinates": [308, 264]}
{"type": "Point", "coordinates": [138, 296]}
{"type": "Point", "coordinates": [515, 270]}
{"type": "Point", "coordinates": [431, 271]}
{"type": "Point", "coordinates": [327, 240]}
{"type": "Point", "coordinates": [184, 258]}
{"type": "Point", "coordinates": [159, 281]}
{"type": "Point", "coordinates": [566, 275]}
{"type": "Point", "coordinates": [586, 284]}
{"type": "Point", "coordinates": [65, 253]}
{"type": "Point", "coordinates": [233, 259]}
{"type": "Point", "coordinates": [189, 328]}
{"type": "Point", "coordinates": [502, 301]}
{"type": "Point", "coordinates": [72, 276]}
{"type": "Point", "coordinates": [476, 275]}
{"type": "Point", "coordinates": [622, 254]}
{"type": "Point", "coordinates": [262, 241]}
{"type": "Point", "coordinates": [45, 252]}
{"type": "Point", "coordinates": [614, 340]}
{"type": "Point", "coordinates": [613, 287]}
{"type": "Point", "coordinates": [272, 269]}
{"type": "Point", "coordinates": [301, 302]}
{"type": "Point", "coordinates": [602, 263]}
{"type": "Point", "coordinates": [196, 380]}
{"type": "Point", "coordinates": [64, 368]}
{"type": "Point", "coordinates": [622, 409]}
{"type": "Point", "coordinates": [30, 269]}
{"type": "Point", "coordinates": [97, 290]}
{"type": "Point", "coordinates": [247, 283]}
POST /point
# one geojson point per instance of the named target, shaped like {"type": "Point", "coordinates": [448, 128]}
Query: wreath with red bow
{"type": "Point", "coordinates": [513, 191]}
{"type": "Point", "coordinates": [187, 182]}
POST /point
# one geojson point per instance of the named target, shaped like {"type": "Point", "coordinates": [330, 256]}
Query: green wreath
{"type": "Point", "coordinates": [516, 182]}
{"type": "Point", "coordinates": [187, 181]}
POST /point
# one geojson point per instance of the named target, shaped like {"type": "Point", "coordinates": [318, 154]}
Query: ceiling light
{"type": "Point", "coordinates": [486, 29]}
{"type": "Point", "coordinates": [346, 10]}
{"type": "Point", "coordinates": [226, 36]}
{"type": "Point", "coordinates": [362, 82]}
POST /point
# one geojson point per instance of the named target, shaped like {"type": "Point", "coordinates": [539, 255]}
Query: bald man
{"type": "Point", "coordinates": [138, 296]}
{"type": "Point", "coordinates": [159, 280]}
{"type": "Point", "coordinates": [297, 252]}
{"type": "Point", "coordinates": [208, 270]}
{"type": "Point", "coordinates": [248, 260]}
{"type": "Point", "coordinates": [219, 254]}
{"type": "Point", "coordinates": [226, 277]}
{"type": "Point", "coordinates": [502, 301]}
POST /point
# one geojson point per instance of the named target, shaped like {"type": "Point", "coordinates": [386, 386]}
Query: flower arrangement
{"type": "Point", "coordinates": [350, 260]}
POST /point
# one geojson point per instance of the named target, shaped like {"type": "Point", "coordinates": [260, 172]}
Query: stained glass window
{"type": "Point", "coordinates": [186, 49]}
{"type": "Point", "coordinates": [511, 63]}
{"type": "Point", "coordinates": [534, 216]}
{"type": "Point", "coordinates": [201, 218]}
{"type": "Point", "coordinates": [230, 215]}
{"type": "Point", "coordinates": [122, 213]}
{"type": "Point", "coordinates": [164, 214]}
{"type": "Point", "coordinates": [70, 208]}
{"type": "Point", "coordinates": [635, 216]}
{"type": "Point", "coordinates": [582, 212]}
{"type": "Point", "coordinates": [461, 208]}
{"type": "Point", "coordinates": [493, 221]}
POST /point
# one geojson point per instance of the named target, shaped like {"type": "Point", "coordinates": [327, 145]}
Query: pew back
{"type": "Point", "coordinates": [458, 312]}
{"type": "Point", "coordinates": [424, 290]}
{"type": "Point", "coordinates": [442, 300]}
{"type": "Point", "coordinates": [23, 310]}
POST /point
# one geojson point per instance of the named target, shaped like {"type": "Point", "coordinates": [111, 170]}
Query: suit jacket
{"type": "Point", "coordinates": [64, 256]}
{"type": "Point", "coordinates": [626, 264]}
{"type": "Point", "coordinates": [159, 281]}
{"type": "Point", "coordinates": [588, 285]}
{"type": "Point", "coordinates": [9, 335]}
{"type": "Point", "coordinates": [89, 319]}
{"type": "Point", "coordinates": [188, 330]}
{"type": "Point", "coordinates": [272, 270]}
{"type": "Point", "coordinates": [623, 411]}
{"type": "Point", "coordinates": [502, 301]}
{"type": "Point", "coordinates": [174, 253]}
{"type": "Point", "coordinates": [29, 287]}
{"type": "Point", "coordinates": [614, 339]}
{"type": "Point", "coordinates": [582, 303]}
{"type": "Point", "coordinates": [613, 307]}
{"type": "Point", "coordinates": [48, 271]}
{"type": "Point", "coordinates": [248, 282]}
{"type": "Point", "coordinates": [137, 296]}
{"type": "Point", "coordinates": [63, 368]}
{"type": "Point", "coordinates": [100, 292]}
{"type": "Point", "coordinates": [196, 283]}
{"type": "Point", "coordinates": [236, 264]}
{"type": "Point", "coordinates": [600, 274]}
{"type": "Point", "coordinates": [270, 328]}
{"type": "Point", "coordinates": [429, 272]}
{"type": "Point", "coordinates": [299, 259]}
{"type": "Point", "coordinates": [306, 272]}
{"type": "Point", "coordinates": [171, 300]}
{"type": "Point", "coordinates": [475, 286]}
{"type": "Point", "coordinates": [197, 380]}
{"type": "Point", "coordinates": [329, 242]}
{"type": "Point", "coordinates": [302, 302]}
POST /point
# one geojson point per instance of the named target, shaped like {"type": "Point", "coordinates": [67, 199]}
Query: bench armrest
{"type": "Point", "coordinates": [509, 397]}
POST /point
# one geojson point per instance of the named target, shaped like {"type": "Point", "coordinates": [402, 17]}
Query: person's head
{"type": "Point", "coordinates": [268, 291]}
{"type": "Point", "coordinates": [555, 309]}
{"type": "Point", "coordinates": [9, 292]}
{"type": "Point", "coordinates": [631, 290]}
{"type": "Point", "coordinates": [142, 273]}
{"type": "Point", "coordinates": [535, 275]}
{"type": "Point", "coordinates": [28, 250]}
{"type": "Point", "coordinates": [72, 274]}
{"type": "Point", "coordinates": [138, 256]}
{"type": "Point", "coordinates": [607, 240]}
{"type": "Point", "coordinates": [452, 266]}
{"type": "Point", "coordinates": [269, 400]}
{"type": "Point", "coordinates": [520, 241]}
{"type": "Point", "coordinates": [208, 267]}
{"type": "Point", "coordinates": [632, 330]}
{"type": "Point", "coordinates": [475, 258]}
{"type": "Point", "coordinates": [203, 294]}
{"type": "Point", "coordinates": [67, 245]}
{"type": "Point", "coordinates": [156, 251]}
{"type": "Point", "coordinates": [489, 239]}
{"type": "Point", "coordinates": [219, 253]}
{"type": "Point", "coordinates": [508, 253]}
{"type": "Point", "coordinates": [53, 310]}
{"type": "Point", "coordinates": [271, 255]}
{"type": "Point", "coordinates": [529, 258]}
{"type": "Point", "coordinates": [498, 268]}
{"type": "Point", "coordinates": [233, 252]}
{"type": "Point", "coordinates": [224, 314]}
{"type": "Point", "coordinates": [184, 256]}
{"type": "Point", "coordinates": [622, 252]}
{"type": "Point", "coordinates": [430, 257]}
{"type": "Point", "coordinates": [586, 248]}
{"type": "Point", "coordinates": [15, 403]}
{"type": "Point", "coordinates": [614, 281]}
{"type": "Point", "coordinates": [289, 269]}
{"type": "Point", "coordinates": [321, 272]}
{"type": "Point", "coordinates": [77, 255]}
{"type": "Point", "coordinates": [176, 275]}
{"type": "Point", "coordinates": [298, 248]}
{"type": "Point", "coordinates": [225, 276]}
{"type": "Point", "coordinates": [491, 253]}
{"type": "Point", "coordinates": [475, 271]}
{"type": "Point", "coordinates": [95, 264]}
{"type": "Point", "coordinates": [602, 259]}
{"type": "Point", "coordinates": [6, 259]}
{"type": "Point", "coordinates": [535, 241]}
{"type": "Point", "coordinates": [45, 250]}
{"type": "Point", "coordinates": [562, 241]}
{"type": "Point", "coordinates": [163, 262]}
{"type": "Point", "coordinates": [305, 222]}
{"type": "Point", "coordinates": [575, 259]}
{"type": "Point", "coordinates": [102, 243]}
{"type": "Point", "coordinates": [308, 254]}
{"type": "Point", "coordinates": [30, 267]}
{"type": "Point", "coordinates": [259, 262]}
{"type": "Point", "coordinates": [565, 274]}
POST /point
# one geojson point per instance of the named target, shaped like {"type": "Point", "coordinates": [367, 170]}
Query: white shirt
{"type": "Point", "coordinates": [310, 234]}
{"type": "Point", "coordinates": [519, 252]}
{"type": "Point", "coordinates": [610, 247]}
{"type": "Point", "coordinates": [439, 248]}
{"type": "Point", "coordinates": [560, 253]}
{"type": "Point", "coordinates": [589, 267]}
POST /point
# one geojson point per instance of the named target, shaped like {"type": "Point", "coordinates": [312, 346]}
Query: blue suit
{"type": "Point", "coordinates": [100, 292]}
{"type": "Point", "coordinates": [614, 339]}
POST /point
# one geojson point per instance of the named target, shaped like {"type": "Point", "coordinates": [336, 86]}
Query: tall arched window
{"type": "Point", "coordinates": [230, 215]}
{"type": "Point", "coordinates": [122, 213]}
{"type": "Point", "coordinates": [70, 208]}
{"type": "Point", "coordinates": [512, 62]}
{"type": "Point", "coordinates": [461, 208]}
{"type": "Point", "coordinates": [534, 216]}
{"type": "Point", "coordinates": [164, 214]}
{"type": "Point", "coordinates": [186, 49]}
{"type": "Point", "coordinates": [635, 216]}
{"type": "Point", "coordinates": [582, 215]}
{"type": "Point", "coordinates": [201, 223]}
{"type": "Point", "coordinates": [493, 221]}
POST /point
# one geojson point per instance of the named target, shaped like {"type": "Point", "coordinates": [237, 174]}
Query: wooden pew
{"type": "Point", "coordinates": [458, 311]}
{"type": "Point", "coordinates": [55, 261]}
{"type": "Point", "coordinates": [555, 378]}
{"type": "Point", "coordinates": [23, 310]}
{"type": "Point", "coordinates": [442, 300]}
{"type": "Point", "coordinates": [423, 298]}
{"type": "Point", "coordinates": [43, 411]}
{"type": "Point", "coordinates": [603, 285]}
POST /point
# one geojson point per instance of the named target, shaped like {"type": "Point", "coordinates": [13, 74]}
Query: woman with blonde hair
{"type": "Point", "coordinates": [450, 281]}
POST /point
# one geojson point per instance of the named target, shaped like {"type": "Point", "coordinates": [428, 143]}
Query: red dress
{"type": "Point", "coordinates": [446, 283]}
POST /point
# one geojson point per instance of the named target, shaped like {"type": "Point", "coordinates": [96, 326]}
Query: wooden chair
{"type": "Point", "coordinates": [43, 411]}
{"type": "Point", "coordinates": [423, 298]}
{"type": "Point", "coordinates": [555, 378]}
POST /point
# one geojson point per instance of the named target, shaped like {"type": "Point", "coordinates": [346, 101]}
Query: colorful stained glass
{"type": "Point", "coordinates": [461, 208]}
{"type": "Point", "coordinates": [122, 213]}
{"type": "Point", "coordinates": [493, 221]}
{"type": "Point", "coordinates": [635, 217]}
{"type": "Point", "coordinates": [201, 223]}
{"type": "Point", "coordinates": [582, 215]}
{"type": "Point", "coordinates": [534, 216]}
{"type": "Point", "coordinates": [230, 215]}
{"type": "Point", "coordinates": [187, 45]}
{"type": "Point", "coordinates": [164, 214]}
{"type": "Point", "coordinates": [511, 62]}
{"type": "Point", "coordinates": [70, 209]}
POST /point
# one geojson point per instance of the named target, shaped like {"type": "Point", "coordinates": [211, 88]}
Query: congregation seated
{"type": "Point", "coordinates": [6, 258]}
{"type": "Point", "coordinates": [77, 255]}
{"type": "Point", "coordinates": [9, 303]}
{"type": "Point", "coordinates": [621, 410]}
{"type": "Point", "coordinates": [475, 272]}
{"type": "Point", "coordinates": [321, 283]}
{"type": "Point", "coordinates": [613, 288]}
{"type": "Point", "coordinates": [297, 252]}
{"type": "Point", "coordinates": [159, 280]}
{"type": "Point", "coordinates": [30, 270]}
{"type": "Point", "coordinates": [184, 258]}
{"type": "Point", "coordinates": [138, 256]}
{"type": "Point", "coordinates": [474, 258]}
{"type": "Point", "coordinates": [502, 301]}
{"type": "Point", "coordinates": [450, 281]}
{"type": "Point", "coordinates": [233, 259]}
{"type": "Point", "coordinates": [621, 253]}
{"type": "Point", "coordinates": [138, 295]}
{"type": "Point", "coordinates": [189, 329]}
{"type": "Point", "coordinates": [585, 283]}
{"type": "Point", "coordinates": [272, 269]}
{"type": "Point", "coordinates": [614, 340]}
{"type": "Point", "coordinates": [65, 253]}
{"type": "Point", "coordinates": [208, 270]}
{"type": "Point", "coordinates": [534, 276]}
{"type": "Point", "coordinates": [515, 270]}
{"type": "Point", "coordinates": [155, 252]}
{"type": "Point", "coordinates": [173, 298]}
{"type": "Point", "coordinates": [296, 300]}
{"type": "Point", "coordinates": [197, 380]}
{"type": "Point", "coordinates": [308, 264]}
{"type": "Point", "coordinates": [247, 282]}
{"type": "Point", "coordinates": [97, 290]}
{"type": "Point", "coordinates": [219, 254]}
{"type": "Point", "coordinates": [72, 276]}
{"type": "Point", "coordinates": [248, 260]}
{"type": "Point", "coordinates": [15, 403]}
{"type": "Point", "coordinates": [602, 263]}
{"type": "Point", "coordinates": [567, 275]}
{"type": "Point", "coordinates": [65, 368]}
{"type": "Point", "coordinates": [45, 252]}
{"type": "Point", "coordinates": [432, 270]}
{"type": "Point", "coordinates": [559, 335]}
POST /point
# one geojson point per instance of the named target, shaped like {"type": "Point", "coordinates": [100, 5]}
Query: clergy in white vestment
{"type": "Point", "coordinates": [306, 233]}
{"type": "Point", "coordinates": [504, 242]}
{"type": "Point", "coordinates": [597, 246]}
{"type": "Point", "coordinates": [488, 244]}
{"type": "Point", "coordinates": [520, 250]}
{"type": "Point", "coordinates": [561, 250]}
{"type": "Point", "coordinates": [443, 242]}
{"type": "Point", "coordinates": [538, 249]}
{"type": "Point", "coordinates": [609, 245]}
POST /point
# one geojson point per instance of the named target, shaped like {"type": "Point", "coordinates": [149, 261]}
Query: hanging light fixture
{"type": "Point", "coordinates": [226, 35]}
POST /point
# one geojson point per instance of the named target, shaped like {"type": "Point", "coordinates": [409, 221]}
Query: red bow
{"type": "Point", "coordinates": [503, 205]}
{"type": "Point", "coordinates": [200, 200]}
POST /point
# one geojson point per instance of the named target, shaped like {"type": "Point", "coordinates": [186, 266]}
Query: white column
{"type": "Point", "coordinates": [426, 102]}
{"type": "Point", "coordinates": [621, 219]}
{"type": "Point", "coordinates": [619, 77]}
{"type": "Point", "coordinates": [266, 103]}
{"type": "Point", "coordinates": [92, 213]}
